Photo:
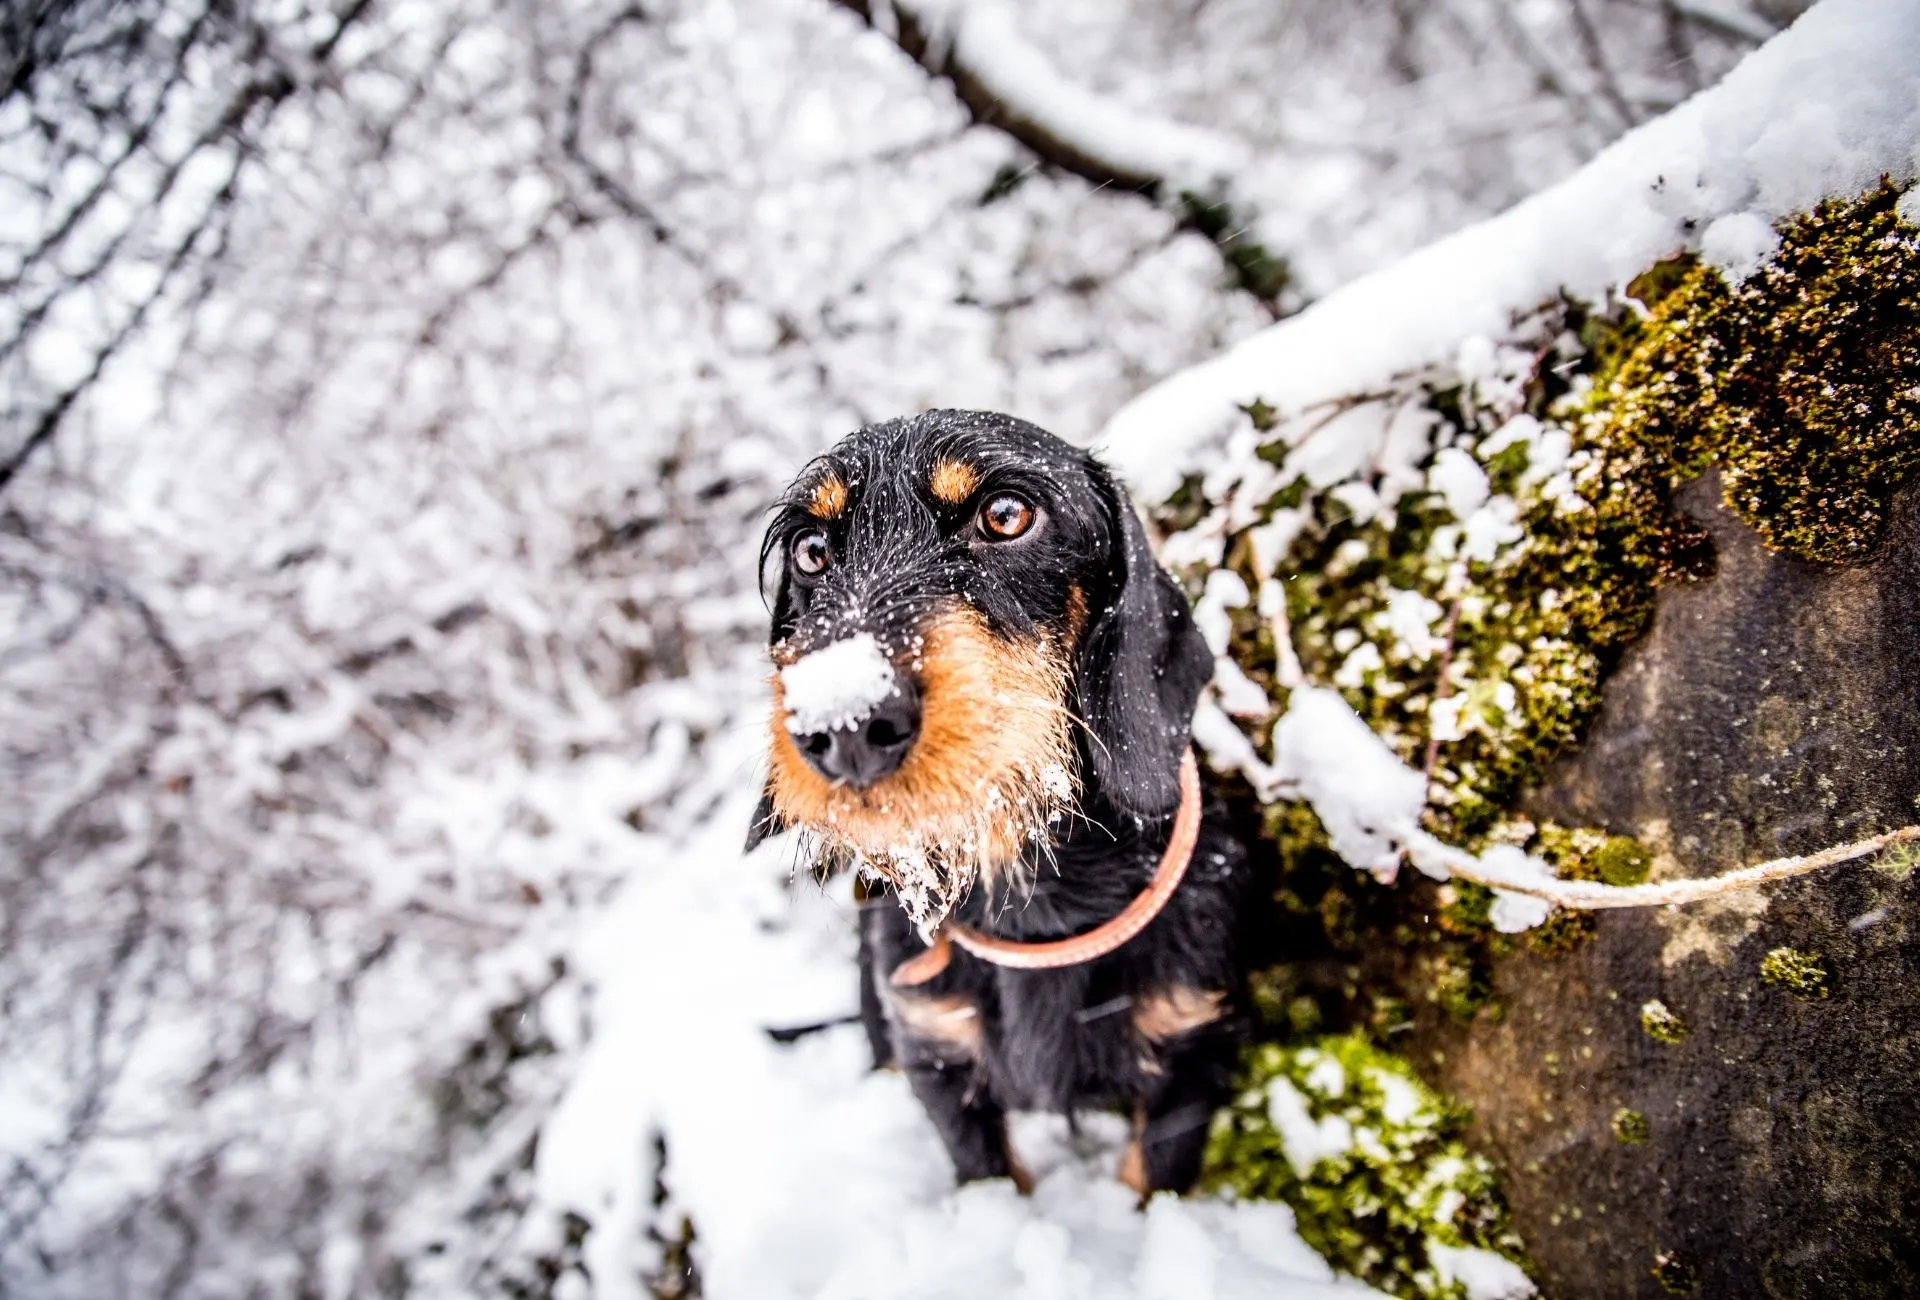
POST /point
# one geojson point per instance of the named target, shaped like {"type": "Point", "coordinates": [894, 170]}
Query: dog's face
{"type": "Point", "coordinates": [969, 632]}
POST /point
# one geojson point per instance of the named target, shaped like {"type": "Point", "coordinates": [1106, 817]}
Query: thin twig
{"type": "Point", "coordinates": [1588, 895]}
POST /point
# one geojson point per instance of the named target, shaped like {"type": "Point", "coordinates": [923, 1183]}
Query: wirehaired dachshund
{"type": "Point", "coordinates": [983, 691]}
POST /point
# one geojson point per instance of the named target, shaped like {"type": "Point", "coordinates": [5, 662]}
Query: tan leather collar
{"type": "Point", "coordinates": [1097, 942]}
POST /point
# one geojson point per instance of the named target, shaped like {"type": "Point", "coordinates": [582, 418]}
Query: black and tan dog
{"type": "Point", "coordinates": [1021, 780]}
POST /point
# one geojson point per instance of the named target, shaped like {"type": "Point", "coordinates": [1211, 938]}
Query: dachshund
{"type": "Point", "coordinates": [983, 694]}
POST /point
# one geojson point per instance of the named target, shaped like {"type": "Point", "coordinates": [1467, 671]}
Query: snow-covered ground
{"type": "Point", "coordinates": [805, 1173]}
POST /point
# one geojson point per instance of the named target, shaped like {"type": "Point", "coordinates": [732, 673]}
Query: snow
{"type": "Point", "coordinates": [1410, 617]}
{"type": "Point", "coordinates": [1370, 802]}
{"type": "Point", "coordinates": [1459, 480]}
{"type": "Point", "coordinates": [1228, 750]}
{"type": "Point", "coordinates": [359, 468]}
{"type": "Point", "coordinates": [1826, 108]}
{"type": "Point", "coordinates": [835, 687]}
{"type": "Point", "coordinates": [1238, 693]}
{"type": "Point", "coordinates": [1326, 1075]}
{"type": "Point", "coordinates": [1399, 1099]}
{"type": "Point", "coordinates": [1738, 244]}
{"type": "Point", "coordinates": [1307, 1140]}
{"type": "Point", "coordinates": [987, 41]}
{"type": "Point", "coordinates": [807, 1173]}
{"type": "Point", "coordinates": [1485, 1275]}
{"type": "Point", "coordinates": [1513, 913]}
{"type": "Point", "coordinates": [1362, 793]}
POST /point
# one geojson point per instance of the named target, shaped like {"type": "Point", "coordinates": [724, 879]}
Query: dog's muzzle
{"type": "Point", "coordinates": [865, 750]}
{"type": "Point", "coordinates": [852, 714]}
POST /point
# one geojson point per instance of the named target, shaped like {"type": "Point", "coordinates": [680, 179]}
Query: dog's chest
{"type": "Point", "coordinates": [1062, 1038]}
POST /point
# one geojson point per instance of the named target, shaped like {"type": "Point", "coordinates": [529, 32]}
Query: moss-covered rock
{"type": "Point", "coordinates": [1469, 582]}
{"type": "Point", "coordinates": [1471, 555]}
{"type": "Point", "coordinates": [1801, 384]}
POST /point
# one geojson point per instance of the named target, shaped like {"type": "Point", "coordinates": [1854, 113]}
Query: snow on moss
{"type": "Point", "coordinates": [1826, 109]}
{"type": "Point", "coordinates": [1412, 644]}
{"type": "Point", "coordinates": [1370, 1161]}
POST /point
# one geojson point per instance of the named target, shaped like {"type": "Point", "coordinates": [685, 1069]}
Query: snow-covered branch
{"type": "Point", "coordinates": [1827, 109]}
{"type": "Point", "coordinates": [1008, 83]}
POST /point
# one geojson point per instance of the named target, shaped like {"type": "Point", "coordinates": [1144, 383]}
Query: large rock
{"type": "Point", "coordinates": [1774, 709]}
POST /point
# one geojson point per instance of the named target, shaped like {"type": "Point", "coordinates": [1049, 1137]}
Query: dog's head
{"type": "Point", "coordinates": [971, 637]}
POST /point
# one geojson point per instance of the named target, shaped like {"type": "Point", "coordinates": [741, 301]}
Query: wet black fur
{"type": "Point", "coordinates": [1052, 1040]}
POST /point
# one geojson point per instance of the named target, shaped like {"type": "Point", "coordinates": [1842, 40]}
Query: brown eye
{"type": "Point", "coordinates": [1005, 517]}
{"type": "Point", "coordinates": [810, 552]}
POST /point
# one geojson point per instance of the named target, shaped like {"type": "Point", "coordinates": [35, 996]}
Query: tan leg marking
{"type": "Point", "coordinates": [1133, 1161]}
{"type": "Point", "coordinates": [953, 1021]}
{"type": "Point", "coordinates": [1022, 1179]}
{"type": "Point", "coordinates": [1170, 1012]}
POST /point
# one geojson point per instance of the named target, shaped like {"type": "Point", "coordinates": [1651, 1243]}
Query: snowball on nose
{"type": "Point", "coordinates": [836, 687]}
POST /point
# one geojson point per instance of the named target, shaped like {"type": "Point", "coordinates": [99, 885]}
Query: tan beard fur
{"type": "Point", "coordinates": [990, 771]}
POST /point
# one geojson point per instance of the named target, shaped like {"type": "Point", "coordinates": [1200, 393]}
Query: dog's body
{"type": "Point", "coordinates": [1020, 779]}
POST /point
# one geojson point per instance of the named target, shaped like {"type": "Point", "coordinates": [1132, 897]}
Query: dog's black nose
{"type": "Point", "coordinates": [863, 753]}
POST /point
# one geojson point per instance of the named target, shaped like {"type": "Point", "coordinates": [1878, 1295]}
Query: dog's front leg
{"type": "Point", "coordinates": [971, 1123]}
{"type": "Point", "coordinates": [1171, 1128]}
{"type": "Point", "coordinates": [935, 1034]}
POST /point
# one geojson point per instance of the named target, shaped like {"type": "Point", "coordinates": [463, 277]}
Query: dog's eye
{"type": "Point", "coordinates": [1005, 517]}
{"type": "Point", "coordinates": [810, 552]}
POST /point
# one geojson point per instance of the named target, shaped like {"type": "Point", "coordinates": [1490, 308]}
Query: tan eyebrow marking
{"type": "Point", "coordinates": [953, 481]}
{"type": "Point", "coordinates": [829, 498]}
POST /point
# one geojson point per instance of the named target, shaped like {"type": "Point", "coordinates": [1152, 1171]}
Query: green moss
{"type": "Point", "coordinates": [1631, 1127]}
{"type": "Point", "coordinates": [1801, 387]}
{"type": "Point", "coordinates": [1661, 1023]}
{"type": "Point", "coordinates": [1802, 384]}
{"type": "Point", "coordinates": [1799, 973]}
{"type": "Point", "coordinates": [1898, 862]}
{"type": "Point", "coordinates": [1621, 861]}
{"type": "Point", "coordinates": [1674, 1275]}
{"type": "Point", "coordinates": [1264, 417]}
{"type": "Point", "coordinates": [1392, 1177]}
{"type": "Point", "coordinates": [1461, 986]}
{"type": "Point", "coordinates": [1583, 854]}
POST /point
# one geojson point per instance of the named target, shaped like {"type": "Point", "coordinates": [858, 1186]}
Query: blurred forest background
{"type": "Point", "coordinates": [390, 393]}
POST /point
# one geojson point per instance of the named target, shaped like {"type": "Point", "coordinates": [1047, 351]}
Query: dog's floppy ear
{"type": "Point", "coordinates": [1142, 666]}
{"type": "Point", "coordinates": [765, 822]}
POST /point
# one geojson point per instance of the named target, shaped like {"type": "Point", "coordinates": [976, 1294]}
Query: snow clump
{"type": "Point", "coordinates": [835, 688]}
